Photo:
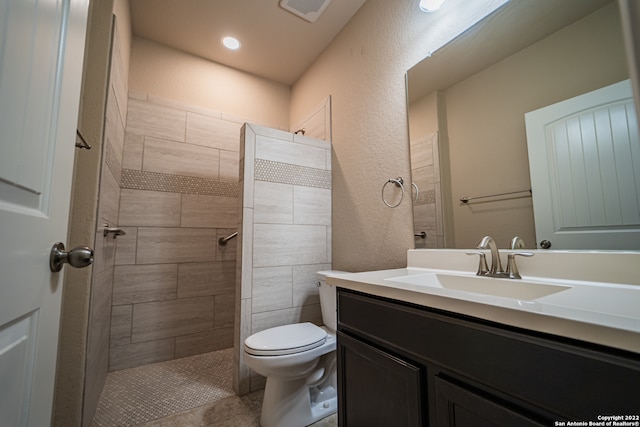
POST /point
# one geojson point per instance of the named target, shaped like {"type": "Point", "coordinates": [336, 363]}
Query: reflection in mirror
{"type": "Point", "coordinates": [467, 105]}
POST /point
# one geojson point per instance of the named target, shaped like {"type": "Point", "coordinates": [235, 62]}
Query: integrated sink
{"type": "Point", "coordinates": [583, 295]}
{"type": "Point", "coordinates": [508, 288]}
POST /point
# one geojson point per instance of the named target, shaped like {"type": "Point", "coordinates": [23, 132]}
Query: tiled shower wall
{"type": "Point", "coordinates": [174, 285]}
{"type": "Point", "coordinates": [285, 235]}
{"type": "Point", "coordinates": [427, 209]}
{"type": "Point", "coordinates": [97, 360]}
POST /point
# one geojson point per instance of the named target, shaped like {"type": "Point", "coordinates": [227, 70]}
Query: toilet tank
{"type": "Point", "coordinates": [328, 299]}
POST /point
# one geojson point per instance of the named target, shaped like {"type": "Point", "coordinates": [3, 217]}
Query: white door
{"type": "Point", "coordinates": [584, 160]}
{"type": "Point", "coordinates": [41, 55]}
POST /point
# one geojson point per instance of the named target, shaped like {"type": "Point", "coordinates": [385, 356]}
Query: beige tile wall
{"type": "Point", "coordinates": [284, 235]}
{"type": "Point", "coordinates": [98, 337]}
{"type": "Point", "coordinates": [427, 208]}
{"type": "Point", "coordinates": [174, 285]}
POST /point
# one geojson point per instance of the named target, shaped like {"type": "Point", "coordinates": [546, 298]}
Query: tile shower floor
{"type": "Point", "coordinates": [192, 391]}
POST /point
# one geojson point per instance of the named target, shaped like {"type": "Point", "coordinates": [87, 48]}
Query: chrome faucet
{"type": "Point", "coordinates": [517, 243]}
{"type": "Point", "coordinates": [496, 265]}
{"type": "Point", "coordinates": [512, 269]}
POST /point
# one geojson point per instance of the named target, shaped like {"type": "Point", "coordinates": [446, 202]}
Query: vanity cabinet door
{"type": "Point", "coordinates": [457, 406]}
{"type": "Point", "coordinates": [378, 389]}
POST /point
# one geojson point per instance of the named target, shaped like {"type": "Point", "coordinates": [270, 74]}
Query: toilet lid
{"type": "Point", "coordinates": [287, 339]}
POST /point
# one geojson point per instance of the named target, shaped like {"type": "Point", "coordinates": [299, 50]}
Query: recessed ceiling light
{"type": "Point", "coordinates": [231, 43]}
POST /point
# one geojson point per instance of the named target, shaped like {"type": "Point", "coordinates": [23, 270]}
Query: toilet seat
{"type": "Point", "coordinates": [287, 339]}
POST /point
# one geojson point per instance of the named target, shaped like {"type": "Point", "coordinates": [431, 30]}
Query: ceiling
{"type": "Point", "coordinates": [514, 26]}
{"type": "Point", "coordinates": [276, 44]}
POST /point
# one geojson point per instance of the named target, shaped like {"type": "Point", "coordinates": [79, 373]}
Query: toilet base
{"type": "Point", "coordinates": [324, 402]}
{"type": "Point", "coordinates": [295, 404]}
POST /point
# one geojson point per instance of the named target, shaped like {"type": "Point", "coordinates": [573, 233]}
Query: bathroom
{"type": "Point", "coordinates": [369, 145]}
{"type": "Point", "coordinates": [254, 100]}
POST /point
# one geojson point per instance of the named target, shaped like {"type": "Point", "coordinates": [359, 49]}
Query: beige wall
{"type": "Point", "coordinates": [364, 72]}
{"type": "Point", "coordinates": [423, 116]}
{"type": "Point", "coordinates": [485, 115]}
{"type": "Point", "coordinates": [167, 73]}
{"type": "Point", "coordinates": [122, 12]}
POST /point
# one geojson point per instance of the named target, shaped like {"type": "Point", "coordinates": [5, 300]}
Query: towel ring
{"type": "Point", "coordinates": [398, 183]}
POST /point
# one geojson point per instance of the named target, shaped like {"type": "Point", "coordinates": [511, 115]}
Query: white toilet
{"type": "Point", "coordinates": [299, 362]}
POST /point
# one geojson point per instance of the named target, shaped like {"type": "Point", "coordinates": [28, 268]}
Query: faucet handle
{"type": "Point", "coordinates": [512, 269]}
{"type": "Point", "coordinates": [483, 269]}
{"type": "Point", "coordinates": [517, 243]}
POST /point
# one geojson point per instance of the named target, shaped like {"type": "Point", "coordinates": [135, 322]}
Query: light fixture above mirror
{"type": "Point", "coordinates": [431, 5]}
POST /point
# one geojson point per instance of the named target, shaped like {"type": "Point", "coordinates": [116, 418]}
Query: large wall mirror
{"type": "Point", "coordinates": [467, 105]}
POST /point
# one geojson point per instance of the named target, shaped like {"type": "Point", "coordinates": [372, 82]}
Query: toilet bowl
{"type": "Point", "coordinates": [299, 362]}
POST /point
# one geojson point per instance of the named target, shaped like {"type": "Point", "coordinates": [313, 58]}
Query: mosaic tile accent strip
{"type": "Point", "coordinates": [153, 181]}
{"type": "Point", "coordinates": [134, 396]}
{"type": "Point", "coordinates": [426, 197]}
{"type": "Point", "coordinates": [285, 173]}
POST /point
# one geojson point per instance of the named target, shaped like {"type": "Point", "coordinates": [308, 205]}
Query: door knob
{"type": "Point", "coordinates": [545, 244]}
{"type": "Point", "coordinates": [78, 257]}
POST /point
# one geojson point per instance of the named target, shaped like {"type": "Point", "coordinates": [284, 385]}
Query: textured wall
{"type": "Point", "coordinates": [121, 10]}
{"type": "Point", "coordinates": [364, 72]}
{"type": "Point", "coordinates": [171, 74]}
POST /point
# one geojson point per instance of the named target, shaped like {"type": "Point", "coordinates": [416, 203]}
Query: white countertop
{"type": "Point", "coordinates": [597, 312]}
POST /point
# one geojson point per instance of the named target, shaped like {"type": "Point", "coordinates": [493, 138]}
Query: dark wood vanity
{"type": "Point", "coordinates": [401, 364]}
